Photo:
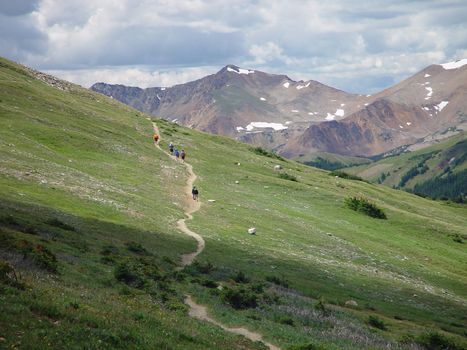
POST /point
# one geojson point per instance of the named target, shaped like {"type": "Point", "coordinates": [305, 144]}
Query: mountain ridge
{"type": "Point", "coordinates": [290, 117]}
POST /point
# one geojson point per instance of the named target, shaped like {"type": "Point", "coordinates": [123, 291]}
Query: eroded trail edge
{"type": "Point", "coordinates": [191, 206]}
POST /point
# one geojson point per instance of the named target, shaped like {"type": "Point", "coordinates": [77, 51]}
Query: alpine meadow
{"type": "Point", "coordinates": [91, 249]}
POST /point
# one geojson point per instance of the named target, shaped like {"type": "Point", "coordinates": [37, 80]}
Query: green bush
{"type": "Point", "coordinates": [240, 297]}
{"type": "Point", "coordinates": [344, 175]}
{"type": "Point", "coordinates": [262, 152]}
{"type": "Point", "coordinates": [38, 253]}
{"type": "Point", "coordinates": [321, 306]}
{"type": "Point", "coordinates": [136, 247]}
{"type": "Point", "coordinates": [208, 283]}
{"type": "Point", "coordinates": [60, 224]}
{"type": "Point", "coordinates": [289, 177]}
{"type": "Point", "coordinates": [376, 322]}
{"type": "Point", "coordinates": [138, 274]}
{"type": "Point", "coordinates": [286, 320]}
{"type": "Point", "coordinates": [8, 275]}
{"type": "Point", "coordinates": [364, 206]}
{"type": "Point", "coordinates": [240, 277]}
{"type": "Point", "coordinates": [203, 268]}
{"type": "Point", "coordinates": [436, 341]}
{"type": "Point", "coordinates": [280, 281]}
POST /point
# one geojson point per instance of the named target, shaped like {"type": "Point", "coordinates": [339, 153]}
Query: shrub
{"type": "Point", "coordinates": [38, 253]}
{"type": "Point", "coordinates": [280, 281]}
{"type": "Point", "coordinates": [240, 277]}
{"type": "Point", "coordinates": [457, 238]}
{"type": "Point", "coordinates": [204, 268]}
{"type": "Point", "coordinates": [208, 283]}
{"type": "Point", "coordinates": [60, 224]}
{"type": "Point", "coordinates": [286, 320]}
{"type": "Point", "coordinates": [262, 152]}
{"type": "Point", "coordinates": [364, 206]}
{"type": "Point", "coordinates": [376, 322]}
{"type": "Point", "coordinates": [240, 298]}
{"type": "Point", "coordinates": [289, 177]}
{"type": "Point", "coordinates": [321, 307]}
{"type": "Point", "coordinates": [436, 341]}
{"type": "Point", "coordinates": [344, 175]}
{"type": "Point", "coordinates": [136, 247]}
{"type": "Point", "coordinates": [138, 274]}
{"type": "Point", "coordinates": [8, 220]}
{"type": "Point", "coordinates": [8, 275]}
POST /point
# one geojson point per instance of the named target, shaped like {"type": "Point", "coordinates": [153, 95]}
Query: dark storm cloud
{"type": "Point", "coordinates": [17, 7]}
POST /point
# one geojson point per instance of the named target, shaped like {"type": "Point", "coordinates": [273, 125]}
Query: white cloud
{"type": "Point", "coordinates": [362, 47]}
{"type": "Point", "coordinates": [131, 76]}
{"type": "Point", "coordinates": [267, 53]}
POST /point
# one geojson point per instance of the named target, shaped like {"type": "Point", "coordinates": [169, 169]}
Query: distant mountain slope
{"type": "Point", "coordinates": [233, 101]}
{"type": "Point", "coordinates": [412, 112]}
{"type": "Point", "coordinates": [445, 162]}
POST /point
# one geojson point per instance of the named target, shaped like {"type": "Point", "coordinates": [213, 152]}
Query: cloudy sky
{"type": "Point", "coordinates": [358, 46]}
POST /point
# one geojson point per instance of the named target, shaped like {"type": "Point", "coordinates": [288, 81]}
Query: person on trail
{"type": "Point", "coordinates": [171, 148]}
{"type": "Point", "coordinates": [177, 153]}
{"type": "Point", "coordinates": [195, 193]}
{"type": "Point", "coordinates": [156, 138]}
{"type": "Point", "coordinates": [182, 155]}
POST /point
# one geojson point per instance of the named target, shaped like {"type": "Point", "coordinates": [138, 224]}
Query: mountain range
{"type": "Point", "coordinates": [296, 118]}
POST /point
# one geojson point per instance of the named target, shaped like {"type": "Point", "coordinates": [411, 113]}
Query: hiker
{"type": "Point", "coordinates": [171, 148]}
{"type": "Point", "coordinates": [177, 154]}
{"type": "Point", "coordinates": [195, 192]}
{"type": "Point", "coordinates": [182, 155]}
{"type": "Point", "coordinates": [156, 138]}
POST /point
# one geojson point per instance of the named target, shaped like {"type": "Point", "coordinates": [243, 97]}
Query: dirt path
{"type": "Point", "coordinates": [191, 206]}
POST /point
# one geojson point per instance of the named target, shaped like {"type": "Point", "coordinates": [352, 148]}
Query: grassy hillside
{"type": "Point", "coordinates": [87, 222]}
{"type": "Point", "coordinates": [439, 171]}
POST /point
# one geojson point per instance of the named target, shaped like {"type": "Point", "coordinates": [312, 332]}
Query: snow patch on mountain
{"type": "Point", "coordinates": [330, 116]}
{"type": "Point", "coordinates": [240, 71]}
{"type": "Point", "coordinates": [294, 111]}
{"type": "Point", "coordinates": [339, 113]}
{"type": "Point", "coordinates": [439, 107]}
{"type": "Point", "coordinates": [430, 92]}
{"type": "Point", "coordinates": [427, 75]}
{"type": "Point", "coordinates": [286, 85]}
{"type": "Point", "coordinates": [408, 123]}
{"type": "Point", "coordinates": [239, 128]}
{"type": "Point", "coordinates": [275, 126]}
{"type": "Point", "coordinates": [262, 99]}
{"type": "Point", "coordinates": [454, 64]}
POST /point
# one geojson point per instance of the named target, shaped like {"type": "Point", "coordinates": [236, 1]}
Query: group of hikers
{"type": "Point", "coordinates": [175, 152]}
{"type": "Point", "coordinates": [179, 155]}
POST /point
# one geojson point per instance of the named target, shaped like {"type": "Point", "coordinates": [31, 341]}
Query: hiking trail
{"type": "Point", "coordinates": [191, 206]}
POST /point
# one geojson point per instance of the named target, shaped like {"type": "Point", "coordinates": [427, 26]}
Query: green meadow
{"type": "Point", "coordinates": [89, 246]}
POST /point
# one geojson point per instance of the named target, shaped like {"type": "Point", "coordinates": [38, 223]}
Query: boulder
{"type": "Point", "coordinates": [277, 167]}
{"type": "Point", "coordinates": [351, 303]}
{"type": "Point", "coordinates": [252, 230]}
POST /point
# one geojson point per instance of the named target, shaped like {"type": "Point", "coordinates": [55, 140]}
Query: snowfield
{"type": "Point", "coordinates": [240, 71]}
{"type": "Point", "coordinates": [275, 126]}
{"type": "Point", "coordinates": [439, 107]}
{"type": "Point", "coordinates": [454, 64]}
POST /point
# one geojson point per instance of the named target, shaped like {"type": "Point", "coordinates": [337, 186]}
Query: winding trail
{"type": "Point", "coordinates": [191, 206]}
